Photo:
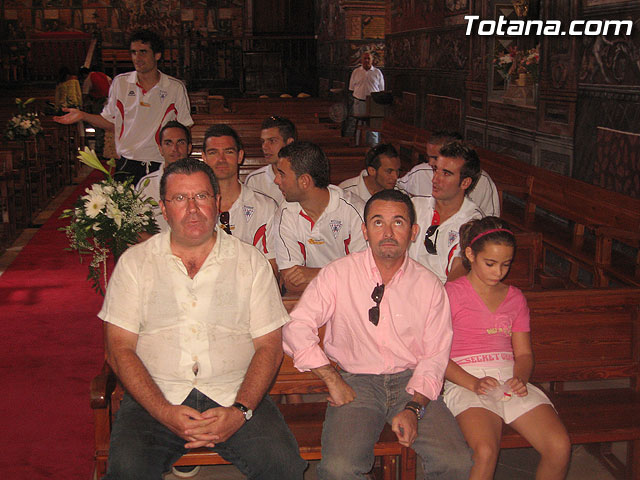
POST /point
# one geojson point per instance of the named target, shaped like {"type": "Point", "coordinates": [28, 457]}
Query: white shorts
{"type": "Point", "coordinates": [459, 399]}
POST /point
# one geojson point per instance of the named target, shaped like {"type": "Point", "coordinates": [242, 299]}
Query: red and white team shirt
{"type": "Point", "coordinates": [446, 238]}
{"type": "Point", "coordinates": [251, 220]}
{"type": "Point", "coordinates": [263, 180]}
{"type": "Point", "coordinates": [338, 232]}
{"type": "Point", "coordinates": [419, 182]}
{"type": "Point", "coordinates": [138, 115]}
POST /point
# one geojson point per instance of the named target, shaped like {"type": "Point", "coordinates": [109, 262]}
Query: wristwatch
{"type": "Point", "coordinates": [246, 411]}
{"type": "Point", "coordinates": [416, 408]}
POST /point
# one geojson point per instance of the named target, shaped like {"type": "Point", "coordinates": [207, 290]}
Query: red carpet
{"type": "Point", "coordinates": [50, 348]}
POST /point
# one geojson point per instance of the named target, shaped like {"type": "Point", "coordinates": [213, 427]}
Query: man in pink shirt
{"type": "Point", "coordinates": [388, 329]}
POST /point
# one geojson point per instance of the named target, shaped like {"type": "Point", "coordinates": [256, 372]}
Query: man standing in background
{"type": "Point", "coordinates": [365, 79]}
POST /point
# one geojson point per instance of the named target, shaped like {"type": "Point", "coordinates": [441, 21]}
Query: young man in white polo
{"type": "Point", "coordinates": [244, 212]}
{"type": "Point", "coordinates": [419, 179]}
{"type": "Point", "coordinates": [139, 104]}
{"type": "Point", "coordinates": [382, 166]}
{"type": "Point", "coordinates": [318, 222]}
{"type": "Point", "coordinates": [440, 215]}
{"type": "Point", "coordinates": [276, 132]}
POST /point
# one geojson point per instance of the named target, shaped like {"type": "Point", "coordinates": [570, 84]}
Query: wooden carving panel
{"type": "Point", "coordinates": [443, 113]}
{"type": "Point", "coordinates": [617, 167]}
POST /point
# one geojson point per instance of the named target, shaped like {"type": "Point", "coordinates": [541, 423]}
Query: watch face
{"type": "Point", "coordinates": [248, 414]}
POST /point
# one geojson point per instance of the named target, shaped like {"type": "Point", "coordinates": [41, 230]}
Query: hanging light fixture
{"type": "Point", "coordinates": [521, 7]}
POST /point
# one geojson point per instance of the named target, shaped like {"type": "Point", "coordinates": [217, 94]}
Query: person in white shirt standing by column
{"type": "Point", "coordinates": [365, 79]}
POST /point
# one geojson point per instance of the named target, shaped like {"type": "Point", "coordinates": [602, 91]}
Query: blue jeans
{"type": "Point", "coordinates": [143, 448]}
{"type": "Point", "coordinates": [350, 431]}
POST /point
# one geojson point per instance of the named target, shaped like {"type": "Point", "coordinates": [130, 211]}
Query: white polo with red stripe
{"type": "Point", "coordinates": [251, 220]}
{"type": "Point", "coordinates": [301, 241]}
{"type": "Point", "coordinates": [446, 238]}
{"type": "Point", "coordinates": [263, 180]}
{"type": "Point", "coordinates": [138, 115]}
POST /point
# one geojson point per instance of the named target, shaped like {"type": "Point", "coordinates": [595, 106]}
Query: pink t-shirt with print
{"type": "Point", "coordinates": [475, 328]}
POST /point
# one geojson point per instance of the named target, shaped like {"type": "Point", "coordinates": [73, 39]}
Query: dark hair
{"type": "Point", "coordinates": [222, 130]}
{"type": "Point", "coordinates": [470, 167]}
{"type": "Point", "coordinates": [175, 124]}
{"type": "Point", "coordinates": [187, 166]}
{"type": "Point", "coordinates": [83, 71]}
{"type": "Point", "coordinates": [307, 157]}
{"type": "Point", "coordinates": [372, 158]}
{"type": "Point", "coordinates": [473, 228]}
{"type": "Point", "coordinates": [147, 36]}
{"type": "Point", "coordinates": [391, 195]}
{"type": "Point", "coordinates": [440, 137]}
{"type": "Point", "coordinates": [286, 128]}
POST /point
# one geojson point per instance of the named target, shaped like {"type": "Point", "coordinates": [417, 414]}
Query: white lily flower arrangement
{"type": "Point", "coordinates": [24, 125]}
{"type": "Point", "coordinates": [107, 220]}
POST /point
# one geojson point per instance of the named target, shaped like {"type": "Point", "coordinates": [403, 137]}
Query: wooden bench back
{"type": "Point", "coordinates": [585, 334]}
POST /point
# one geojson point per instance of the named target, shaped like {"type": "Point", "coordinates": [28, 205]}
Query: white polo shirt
{"type": "Point", "coordinates": [446, 238]}
{"type": "Point", "coordinates": [263, 180]}
{"type": "Point", "coordinates": [251, 220]}
{"type": "Point", "coordinates": [338, 231]}
{"type": "Point", "coordinates": [356, 185]}
{"type": "Point", "coordinates": [139, 115]}
{"type": "Point", "coordinates": [152, 189]}
{"type": "Point", "coordinates": [205, 324]}
{"type": "Point", "coordinates": [363, 82]}
{"type": "Point", "coordinates": [419, 181]}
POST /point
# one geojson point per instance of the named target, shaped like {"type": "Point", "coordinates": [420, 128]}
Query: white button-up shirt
{"type": "Point", "coordinates": [195, 332]}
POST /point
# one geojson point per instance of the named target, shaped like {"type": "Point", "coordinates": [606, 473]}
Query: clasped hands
{"type": "Point", "coordinates": [483, 385]}
{"type": "Point", "coordinates": [202, 429]}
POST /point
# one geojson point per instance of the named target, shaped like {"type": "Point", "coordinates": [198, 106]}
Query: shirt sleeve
{"type": "Point", "coordinates": [521, 322]}
{"type": "Point", "coordinates": [109, 110]}
{"type": "Point", "coordinates": [437, 336]}
{"type": "Point", "coordinates": [352, 80]}
{"type": "Point", "coordinates": [358, 243]}
{"type": "Point", "coordinates": [381, 82]}
{"type": "Point", "coordinates": [267, 311]}
{"type": "Point", "coordinates": [300, 336]}
{"type": "Point", "coordinates": [121, 306]}
{"type": "Point", "coordinates": [289, 249]}
{"type": "Point", "coordinates": [184, 107]}
{"type": "Point", "coordinates": [269, 234]}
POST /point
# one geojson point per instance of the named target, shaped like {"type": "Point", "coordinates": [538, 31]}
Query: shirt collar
{"type": "Point", "coordinates": [374, 273]}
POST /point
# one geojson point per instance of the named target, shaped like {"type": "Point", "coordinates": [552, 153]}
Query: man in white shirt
{"type": "Point", "coordinates": [276, 132]}
{"type": "Point", "coordinates": [244, 212]}
{"type": "Point", "coordinates": [139, 104]}
{"type": "Point", "coordinates": [175, 144]}
{"type": "Point", "coordinates": [456, 170]}
{"type": "Point", "coordinates": [418, 180]}
{"type": "Point", "coordinates": [364, 80]}
{"type": "Point", "coordinates": [317, 222]}
{"type": "Point", "coordinates": [193, 321]}
{"type": "Point", "coordinates": [382, 166]}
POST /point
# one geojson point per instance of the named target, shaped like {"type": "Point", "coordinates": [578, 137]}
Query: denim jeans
{"type": "Point", "coordinates": [143, 448]}
{"type": "Point", "coordinates": [350, 431]}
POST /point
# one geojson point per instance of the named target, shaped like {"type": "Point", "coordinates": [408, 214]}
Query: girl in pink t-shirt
{"type": "Point", "coordinates": [492, 360]}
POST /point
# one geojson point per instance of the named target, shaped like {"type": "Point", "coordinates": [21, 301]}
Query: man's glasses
{"type": "Point", "coordinates": [376, 296]}
{"type": "Point", "coordinates": [429, 244]}
{"type": "Point", "coordinates": [181, 199]}
{"type": "Point", "coordinates": [224, 221]}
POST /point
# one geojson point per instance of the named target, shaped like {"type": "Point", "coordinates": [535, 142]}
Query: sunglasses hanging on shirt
{"type": "Point", "coordinates": [429, 244]}
{"type": "Point", "coordinates": [224, 221]}
{"type": "Point", "coordinates": [376, 296]}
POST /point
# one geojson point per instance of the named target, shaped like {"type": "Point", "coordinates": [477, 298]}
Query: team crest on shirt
{"type": "Point", "coordinates": [132, 93]}
{"type": "Point", "coordinates": [336, 226]}
{"type": "Point", "coordinates": [453, 237]}
{"type": "Point", "coordinates": [248, 212]}
{"type": "Point", "coordinates": [163, 94]}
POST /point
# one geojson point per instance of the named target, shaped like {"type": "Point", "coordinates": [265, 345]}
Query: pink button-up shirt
{"type": "Point", "coordinates": [414, 331]}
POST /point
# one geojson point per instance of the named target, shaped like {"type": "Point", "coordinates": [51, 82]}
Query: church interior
{"type": "Point", "coordinates": [554, 119]}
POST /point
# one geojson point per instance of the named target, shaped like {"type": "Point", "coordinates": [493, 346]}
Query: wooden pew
{"type": "Point", "coordinates": [577, 335]}
{"type": "Point", "coordinates": [579, 222]}
{"type": "Point", "coordinates": [304, 419]}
